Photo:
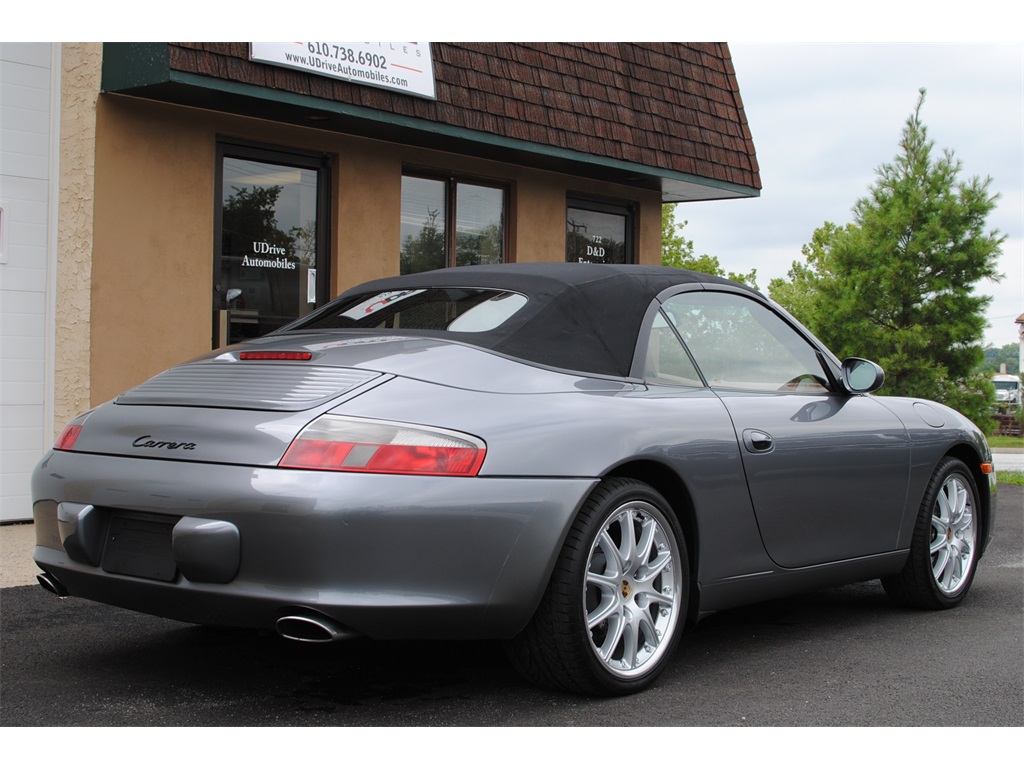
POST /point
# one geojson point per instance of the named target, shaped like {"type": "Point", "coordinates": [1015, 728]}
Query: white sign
{"type": "Point", "coordinates": [405, 67]}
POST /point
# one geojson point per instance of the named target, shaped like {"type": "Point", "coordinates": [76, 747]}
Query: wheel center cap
{"type": "Point", "coordinates": [627, 589]}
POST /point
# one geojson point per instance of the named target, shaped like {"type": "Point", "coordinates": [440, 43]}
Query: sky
{"type": "Point", "coordinates": [824, 117]}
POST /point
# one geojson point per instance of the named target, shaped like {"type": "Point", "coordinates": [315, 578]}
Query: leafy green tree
{"type": "Point", "coordinates": [809, 282]}
{"type": "Point", "coordinates": [677, 251]}
{"type": "Point", "coordinates": [1008, 355]}
{"type": "Point", "coordinates": [898, 284]}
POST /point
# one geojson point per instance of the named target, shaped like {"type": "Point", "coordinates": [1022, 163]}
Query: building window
{"type": "Point", "coordinates": [270, 259]}
{"type": "Point", "coordinates": [448, 222]}
{"type": "Point", "coordinates": [599, 232]}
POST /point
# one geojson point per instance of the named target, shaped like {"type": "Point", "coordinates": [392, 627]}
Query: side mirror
{"type": "Point", "coordinates": [861, 376]}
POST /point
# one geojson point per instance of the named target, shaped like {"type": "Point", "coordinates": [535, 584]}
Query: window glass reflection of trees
{"type": "Point", "coordinates": [737, 342]}
{"type": "Point", "coordinates": [478, 226]}
{"type": "Point", "coordinates": [427, 240]}
{"type": "Point", "coordinates": [423, 224]}
{"type": "Point", "coordinates": [272, 204]}
{"type": "Point", "coordinates": [268, 214]}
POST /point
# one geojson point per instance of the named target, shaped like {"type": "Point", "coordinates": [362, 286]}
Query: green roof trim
{"type": "Point", "coordinates": [134, 65]}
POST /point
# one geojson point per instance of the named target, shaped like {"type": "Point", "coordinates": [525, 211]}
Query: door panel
{"type": "Point", "coordinates": [827, 472]}
{"type": "Point", "coordinates": [832, 483]}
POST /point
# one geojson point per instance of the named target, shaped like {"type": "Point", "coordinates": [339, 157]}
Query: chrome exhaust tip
{"type": "Point", "coordinates": [50, 583]}
{"type": "Point", "coordinates": [311, 628]}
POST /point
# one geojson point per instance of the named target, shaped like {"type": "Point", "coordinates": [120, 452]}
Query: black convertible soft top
{"type": "Point", "coordinates": [580, 317]}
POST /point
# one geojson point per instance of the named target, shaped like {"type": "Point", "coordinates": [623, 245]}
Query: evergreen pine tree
{"type": "Point", "coordinates": [898, 285]}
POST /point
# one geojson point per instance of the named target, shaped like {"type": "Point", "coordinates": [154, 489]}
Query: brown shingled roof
{"type": "Point", "coordinates": [669, 106]}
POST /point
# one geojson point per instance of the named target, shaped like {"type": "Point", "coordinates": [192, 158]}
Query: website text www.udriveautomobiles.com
{"type": "Point", "coordinates": [347, 62]}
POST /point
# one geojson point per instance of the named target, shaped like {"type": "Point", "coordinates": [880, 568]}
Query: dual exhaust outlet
{"type": "Point", "coordinates": [311, 627]}
{"type": "Point", "coordinates": [51, 584]}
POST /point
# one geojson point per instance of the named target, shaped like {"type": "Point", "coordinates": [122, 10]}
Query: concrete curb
{"type": "Point", "coordinates": [17, 541]}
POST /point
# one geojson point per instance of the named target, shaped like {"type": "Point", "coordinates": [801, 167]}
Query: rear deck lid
{"type": "Point", "coordinates": [264, 385]}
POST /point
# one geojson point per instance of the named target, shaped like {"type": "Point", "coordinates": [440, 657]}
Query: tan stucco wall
{"type": "Point", "coordinates": [154, 235]}
{"type": "Point", "coordinates": [366, 239]}
{"type": "Point", "coordinates": [152, 270]}
{"type": "Point", "coordinates": [152, 246]}
{"type": "Point", "coordinates": [539, 223]}
{"type": "Point", "coordinates": [80, 85]}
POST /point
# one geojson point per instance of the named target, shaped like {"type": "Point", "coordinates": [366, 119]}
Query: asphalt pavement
{"type": "Point", "coordinates": [836, 657]}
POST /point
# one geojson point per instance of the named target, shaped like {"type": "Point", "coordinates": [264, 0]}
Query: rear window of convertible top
{"type": "Point", "coordinates": [465, 310]}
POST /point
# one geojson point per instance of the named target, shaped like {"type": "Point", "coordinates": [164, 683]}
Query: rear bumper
{"type": "Point", "coordinates": [384, 556]}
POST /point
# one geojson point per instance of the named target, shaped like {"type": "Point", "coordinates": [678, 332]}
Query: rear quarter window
{"type": "Point", "coordinates": [460, 310]}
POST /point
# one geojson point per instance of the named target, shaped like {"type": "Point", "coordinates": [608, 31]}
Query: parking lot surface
{"type": "Point", "coordinates": [833, 658]}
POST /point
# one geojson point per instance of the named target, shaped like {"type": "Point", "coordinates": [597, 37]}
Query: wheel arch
{"type": "Point", "coordinates": [670, 485]}
{"type": "Point", "coordinates": [970, 457]}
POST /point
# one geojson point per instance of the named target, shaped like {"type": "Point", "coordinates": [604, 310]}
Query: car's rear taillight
{"type": "Point", "coordinates": [66, 440]}
{"type": "Point", "coordinates": [343, 444]}
{"type": "Point", "coordinates": [69, 435]}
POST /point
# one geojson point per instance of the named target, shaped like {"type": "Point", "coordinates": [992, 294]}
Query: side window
{"type": "Point", "coordinates": [740, 344]}
{"type": "Point", "coordinates": [667, 362]}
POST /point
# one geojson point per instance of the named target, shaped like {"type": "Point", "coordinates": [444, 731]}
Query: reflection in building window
{"type": "Point", "coordinates": [429, 208]}
{"type": "Point", "coordinates": [271, 241]}
{"type": "Point", "coordinates": [598, 232]}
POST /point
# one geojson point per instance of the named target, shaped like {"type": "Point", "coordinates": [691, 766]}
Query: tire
{"type": "Point", "coordinates": [944, 549]}
{"type": "Point", "coordinates": [617, 600]}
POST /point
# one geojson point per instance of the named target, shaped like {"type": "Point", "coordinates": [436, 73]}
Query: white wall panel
{"type": "Point", "coordinates": [27, 143]}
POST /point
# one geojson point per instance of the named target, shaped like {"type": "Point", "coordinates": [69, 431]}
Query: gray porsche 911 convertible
{"type": "Point", "coordinates": [578, 459]}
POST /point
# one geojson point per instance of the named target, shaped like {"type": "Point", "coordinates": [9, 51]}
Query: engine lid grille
{"type": "Point", "coordinates": [257, 386]}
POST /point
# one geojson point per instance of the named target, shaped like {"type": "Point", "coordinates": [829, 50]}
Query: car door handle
{"type": "Point", "coordinates": [757, 441]}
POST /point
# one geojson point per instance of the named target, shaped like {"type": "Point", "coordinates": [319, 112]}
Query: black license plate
{"type": "Point", "coordinates": [139, 547]}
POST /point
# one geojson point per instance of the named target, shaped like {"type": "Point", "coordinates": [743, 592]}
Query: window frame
{"type": "Point", "coordinates": [596, 204]}
{"type": "Point", "coordinates": [319, 162]}
{"type": "Point", "coordinates": [827, 362]}
{"type": "Point", "coordinates": [673, 379]}
{"type": "Point", "coordinates": [451, 183]}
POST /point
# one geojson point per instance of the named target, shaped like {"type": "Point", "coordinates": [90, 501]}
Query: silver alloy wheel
{"type": "Point", "coordinates": [633, 589]}
{"type": "Point", "coordinates": [954, 535]}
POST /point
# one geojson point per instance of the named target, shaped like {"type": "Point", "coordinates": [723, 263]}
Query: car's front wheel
{"type": "Point", "coordinates": [617, 599]}
{"type": "Point", "coordinates": [944, 547]}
